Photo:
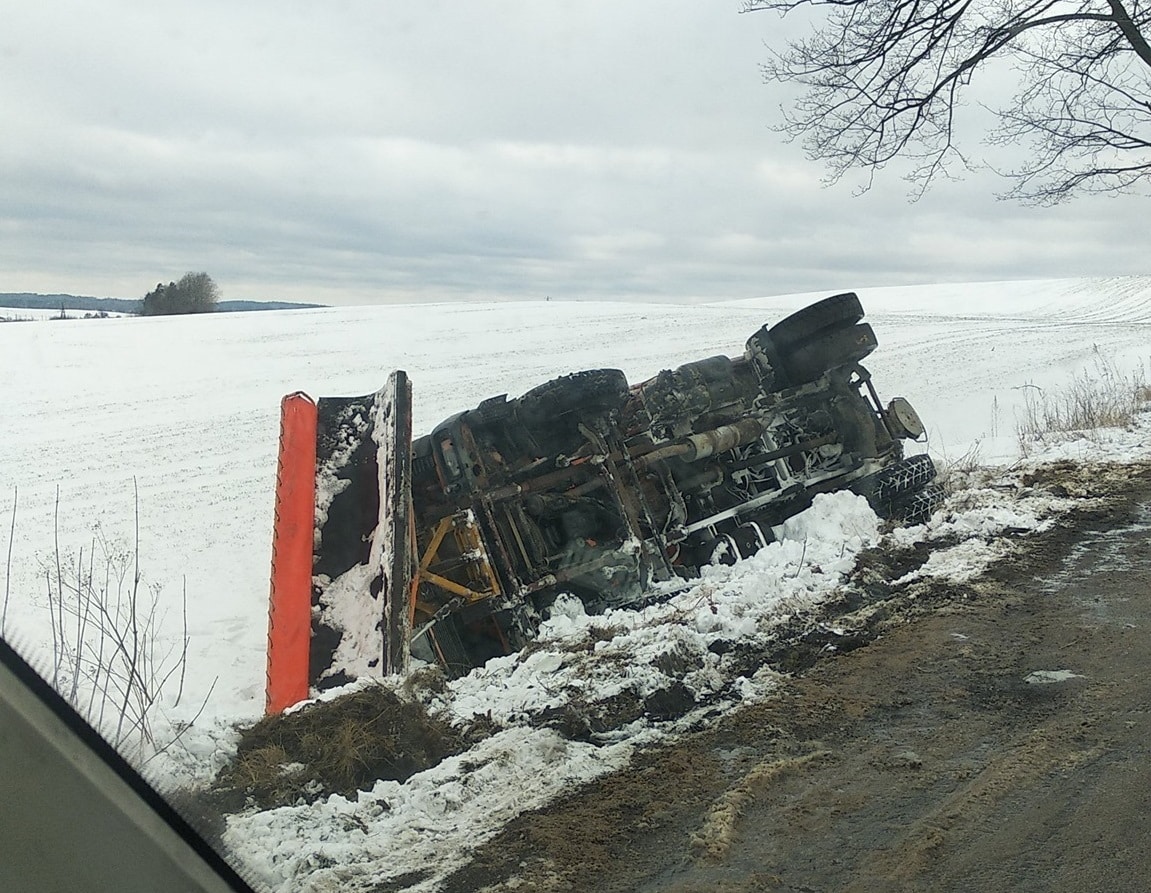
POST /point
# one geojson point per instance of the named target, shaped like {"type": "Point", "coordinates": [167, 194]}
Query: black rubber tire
{"type": "Point", "coordinates": [912, 473]}
{"type": "Point", "coordinates": [716, 550]}
{"type": "Point", "coordinates": [493, 411]}
{"type": "Point", "coordinates": [917, 507]}
{"type": "Point", "coordinates": [828, 350]}
{"type": "Point", "coordinates": [597, 390]}
{"type": "Point", "coordinates": [551, 413]}
{"type": "Point", "coordinates": [836, 312]}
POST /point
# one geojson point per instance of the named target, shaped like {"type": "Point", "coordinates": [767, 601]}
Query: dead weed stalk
{"type": "Point", "coordinates": [110, 657]}
{"type": "Point", "coordinates": [1101, 397]}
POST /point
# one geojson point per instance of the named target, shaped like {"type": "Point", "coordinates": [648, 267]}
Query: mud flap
{"type": "Point", "coordinates": [360, 546]}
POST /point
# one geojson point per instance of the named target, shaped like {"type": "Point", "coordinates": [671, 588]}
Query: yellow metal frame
{"type": "Point", "coordinates": [471, 549]}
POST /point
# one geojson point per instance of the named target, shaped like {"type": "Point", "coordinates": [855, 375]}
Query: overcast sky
{"type": "Point", "coordinates": [360, 152]}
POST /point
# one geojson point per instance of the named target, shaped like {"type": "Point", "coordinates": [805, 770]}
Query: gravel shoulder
{"type": "Point", "coordinates": [987, 735]}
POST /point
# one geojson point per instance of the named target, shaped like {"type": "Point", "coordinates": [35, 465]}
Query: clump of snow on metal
{"type": "Point", "coordinates": [328, 483]}
{"type": "Point", "coordinates": [346, 604]}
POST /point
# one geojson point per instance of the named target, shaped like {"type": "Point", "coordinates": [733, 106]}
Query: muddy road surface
{"type": "Point", "coordinates": [987, 735]}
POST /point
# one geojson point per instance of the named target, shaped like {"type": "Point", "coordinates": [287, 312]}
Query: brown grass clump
{"type": "Point", "coordinates": [715, 838]}
{"type": "Point", "coordinates": [1102, 397]}
{"type": "Point", "coordinates": [334, 747]}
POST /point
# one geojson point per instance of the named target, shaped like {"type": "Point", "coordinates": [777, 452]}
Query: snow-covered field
{"type": "Point", "coordinates": [184, 412]}
{"type": "Point", "coordinates": [33, 314]}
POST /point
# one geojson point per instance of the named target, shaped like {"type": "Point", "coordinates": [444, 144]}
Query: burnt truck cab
{"type": "Point", "coordinates": [594, 487]}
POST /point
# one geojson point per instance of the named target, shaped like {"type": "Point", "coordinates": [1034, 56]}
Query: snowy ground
{"type": "Point", "coordinates": [184, 411]}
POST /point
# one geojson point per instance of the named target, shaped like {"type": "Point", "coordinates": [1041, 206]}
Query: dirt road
{"type": "Point", "coordinates": [992, 735]}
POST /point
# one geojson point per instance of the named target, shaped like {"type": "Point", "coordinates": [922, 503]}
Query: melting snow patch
{"type": "Point", "coordinates": [1046, 677]}
{"type": "Point", "coordinates": [425, 826]}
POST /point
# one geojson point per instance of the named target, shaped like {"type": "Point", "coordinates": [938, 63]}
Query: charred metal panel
{"type": "Point", "coordinates": [393, 436]}
{"type": "Point", "coordinates": [362, 551]}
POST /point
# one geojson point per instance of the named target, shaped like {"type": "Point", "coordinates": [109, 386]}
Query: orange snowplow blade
{"type": "Point", "coordinates": [357, 550]}
{"type": "Point", "coordinates": [290, 611]}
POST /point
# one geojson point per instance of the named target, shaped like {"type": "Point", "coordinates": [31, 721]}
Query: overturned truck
{"type": "Point", "coordinates": [451, 547]}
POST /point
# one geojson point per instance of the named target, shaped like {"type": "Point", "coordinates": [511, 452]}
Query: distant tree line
{"type": "Point", "coordinates": [194, 293]}
{"type": "Point", "coordinates": [80, 303]}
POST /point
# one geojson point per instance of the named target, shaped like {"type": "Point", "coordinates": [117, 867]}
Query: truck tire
{"type": "Point", "coordinates": [595, 391]}
{"type": "Point", "coordinates": [912, 473]}
{"type": "Point", "coordinates": [836, 312]}
{"type": "Point", "coordinates": [828, 350]}
{"type": "Point", "coordinates": [918, 506]}
{"type": "Point", "coordinates": [551, 413]}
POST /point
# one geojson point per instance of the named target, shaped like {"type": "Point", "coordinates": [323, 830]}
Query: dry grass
{"type": "Point", "coordinates": [111, 656]}
{"type": "Point", "coordinates": [954, 473]}
{"type": "Point", "coordinates": [715, 838]}
{"type": "Point", "coordinates": [1101, 397]}
{"type": "Point", "coordinates": [338, 746]}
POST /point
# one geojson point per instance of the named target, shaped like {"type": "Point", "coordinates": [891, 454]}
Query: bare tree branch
{"type": "Point", "coordinates": [885, 79]}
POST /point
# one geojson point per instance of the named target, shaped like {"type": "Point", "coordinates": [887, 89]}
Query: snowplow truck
{"type": "Point", "coordinates": [452, 546]}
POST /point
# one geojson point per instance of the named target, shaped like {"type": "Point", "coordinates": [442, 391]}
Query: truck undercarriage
{"type": "Point", "coordinates": [590, 486]}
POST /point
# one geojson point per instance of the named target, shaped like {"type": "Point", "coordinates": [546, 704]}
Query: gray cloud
{"type": "Point", "coordinates": [355, 152]}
